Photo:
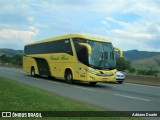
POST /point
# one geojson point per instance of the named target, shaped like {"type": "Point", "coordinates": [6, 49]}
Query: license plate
{"type": "Point", "coordinates": [104, 78]}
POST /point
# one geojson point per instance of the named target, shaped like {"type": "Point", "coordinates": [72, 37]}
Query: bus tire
{"type": "Point", "coordinates": [33, 72]}
{"type": "Point", "coordinates": [120, 82]}
{"type": "Point", "coordinates": [69, 77]}
{"type": "Point", "coordinates": [92, 83]}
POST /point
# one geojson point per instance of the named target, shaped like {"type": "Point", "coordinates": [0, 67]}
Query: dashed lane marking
{"type": "Point", "coordinates": [132, 97]}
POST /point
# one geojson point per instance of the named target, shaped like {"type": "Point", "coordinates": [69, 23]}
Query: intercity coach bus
{"type": "Point", "coordinates": [72, 57]}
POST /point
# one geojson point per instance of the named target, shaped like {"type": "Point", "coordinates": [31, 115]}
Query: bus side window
{"type": "Point", "coordinates": [67, 47]}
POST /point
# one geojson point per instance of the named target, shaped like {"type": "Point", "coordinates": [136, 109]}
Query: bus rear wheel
{"type": "Point", "coordinates": [92, 83]}
{"type": "Point", "coordinates": [69, 77]}
{"type": "Point", "coordinates": [33, 72]}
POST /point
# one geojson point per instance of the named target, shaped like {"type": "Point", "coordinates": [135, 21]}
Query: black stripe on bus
{"type": "Point", "coordinates": [43, 66]}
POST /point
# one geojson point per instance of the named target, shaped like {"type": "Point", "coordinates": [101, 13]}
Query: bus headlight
{"type": "Point", "coordinates": [99, 74]}
{"type": "Point", "coordinates": [93, 72]}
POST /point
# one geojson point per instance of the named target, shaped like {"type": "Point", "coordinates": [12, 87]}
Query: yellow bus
{"type": "Point", "coordinates": [72, 57]}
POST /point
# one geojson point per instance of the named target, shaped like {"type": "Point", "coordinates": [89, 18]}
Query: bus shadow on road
{"type": "Point", "coordinates": [79, 83]}
{"type": "Point", "coordinates": [75, 83]}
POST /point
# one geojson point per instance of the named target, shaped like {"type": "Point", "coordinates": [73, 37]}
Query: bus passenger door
{"type": "Point", "coordinates": [82, 71]}
{"type": "Point", "coordinates": [82, 55]}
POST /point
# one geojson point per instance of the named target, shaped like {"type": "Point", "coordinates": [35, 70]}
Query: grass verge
{"type": "Point", "coordinates": [17, 96]}
{"type": "Point", "coordinates": [20, 97]}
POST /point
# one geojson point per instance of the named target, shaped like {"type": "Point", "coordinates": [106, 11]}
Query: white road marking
{"type": "Point", "coordinates": [83, 88]}
{"type": "Point", "coordinates": [132, 97]}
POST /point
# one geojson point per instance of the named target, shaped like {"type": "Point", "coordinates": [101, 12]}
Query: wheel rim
{"type": "Point", "coordinates": [32, 72]}
{"type": "Point", "coordinates": [69, 77]}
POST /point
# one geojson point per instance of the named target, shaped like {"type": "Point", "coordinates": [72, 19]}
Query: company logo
{"type": "Point", "coordinates": [6, 114]}
{"type": "Point", "coordinates": [61, 57]}
{"type": "Point", "coordinates": [21, 114]}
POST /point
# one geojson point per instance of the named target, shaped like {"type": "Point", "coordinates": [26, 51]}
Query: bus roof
{"type": "Point", "coordinates": [74, 35]}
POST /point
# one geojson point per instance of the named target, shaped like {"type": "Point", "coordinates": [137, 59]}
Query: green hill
{"type": "Point", "coordinates": [10, 52]}
{"type": "Point", "coordinates": [133, 55]}
{"type": "Point", "coordinates": [148, 63]}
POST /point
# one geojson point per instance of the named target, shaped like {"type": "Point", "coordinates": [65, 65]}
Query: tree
{"type": "Point", "coordinates": [132, 70]}
{"type": "Point", "coordinates": [148, 72]}
{"type": "Point", "coordinates": [16, 60]}
{"type": "Point", "coordinates": [123, 64]}
{"type": "Point", "coordinates": [4, 59]}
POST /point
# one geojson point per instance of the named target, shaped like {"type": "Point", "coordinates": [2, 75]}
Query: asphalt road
{"type": "Point", "coordinates": [118, 97]}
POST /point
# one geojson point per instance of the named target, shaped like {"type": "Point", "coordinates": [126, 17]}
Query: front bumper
{"type": "Point", "coordinates": [95, 78]}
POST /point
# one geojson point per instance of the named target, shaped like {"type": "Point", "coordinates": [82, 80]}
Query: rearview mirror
{"type": "Point", "coordinates": [87, 46]}
{"type": "Point", "coordinates": [120, 52]}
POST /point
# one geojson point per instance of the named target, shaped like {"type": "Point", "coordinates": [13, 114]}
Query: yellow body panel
{"type": "Point", "coordinates": [59, 62]}
{"type": "Point", "coordinates": [28, 62]}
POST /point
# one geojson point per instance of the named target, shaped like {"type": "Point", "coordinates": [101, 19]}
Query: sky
{"type": "Point", "coordinates": [128, 24]}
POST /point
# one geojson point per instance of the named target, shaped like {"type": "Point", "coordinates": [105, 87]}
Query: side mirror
{"type": "Point", "coordinates": [87, 46]}
{"type": "Point", "coordinates": [120, 51]}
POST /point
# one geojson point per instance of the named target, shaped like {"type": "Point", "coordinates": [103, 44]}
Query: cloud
{"type": "Point", "coordinates": [39, 4]}
{"type": "Point", "coordinates": [146, 9]}
{"type": "Point", "coordinates": [130, 24]}
{"type": "Point", "coordinates": [16, 24]}
{"type": "Point", "coordinates": [137, 34]}
{"type": "Point", "coordinates": [72, 6]}
{"type": "Point", "coordinates": [16, 12]}
{"type": "Point", "coordinates": [17, 38]}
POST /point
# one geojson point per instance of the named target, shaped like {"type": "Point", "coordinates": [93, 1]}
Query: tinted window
{"type": "Point", "coordinates": [82, 52]}
{"type": "Point", "coordinates": [60, 46]}
{"type": "Point", "coordinates": [102, 56]}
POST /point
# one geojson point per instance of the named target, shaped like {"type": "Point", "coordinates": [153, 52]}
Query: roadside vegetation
{"type": "Point", "coordinates": [137, 74]}
{"type": "Point", "coordinates": [20, 97]}
{"type": "Point", "coordinates": [124, 65]}
{"type": "Point", "coordinates": [15, 60]}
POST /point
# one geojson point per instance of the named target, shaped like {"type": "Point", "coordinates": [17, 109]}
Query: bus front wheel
{"type": "Point", "coordinates": [33, 72]}
{"type": "Point", "coordinates": [69, 77]}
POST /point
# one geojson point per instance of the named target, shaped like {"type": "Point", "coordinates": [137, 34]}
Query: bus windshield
{"type": "Point", "coordinates": [102, 56]}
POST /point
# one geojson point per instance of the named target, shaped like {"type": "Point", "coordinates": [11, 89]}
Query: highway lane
{"type": "Point", "coordinates": [119, 97]}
